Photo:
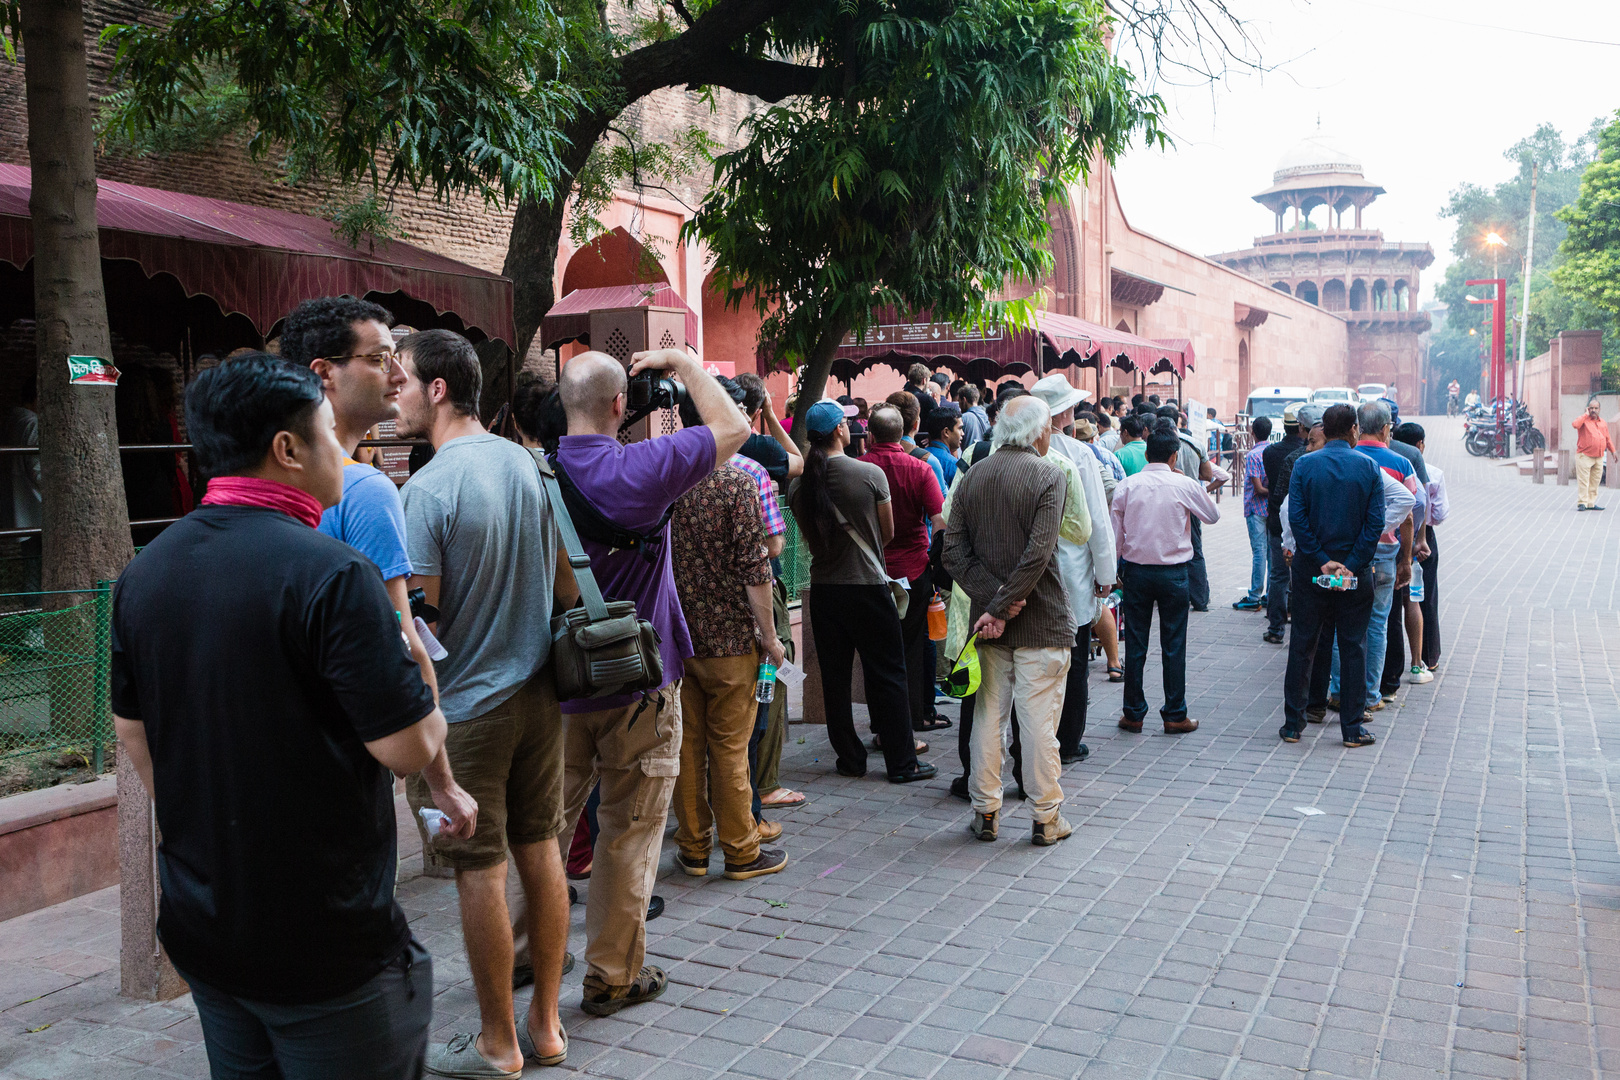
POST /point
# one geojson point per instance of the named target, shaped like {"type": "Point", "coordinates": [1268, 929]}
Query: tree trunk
{"type": "Point", "coordinates": [537, 228]}
{"type": "Point", "coordinates": [815, 369]}
{"type": "Point", "coordinates": [86, 524]}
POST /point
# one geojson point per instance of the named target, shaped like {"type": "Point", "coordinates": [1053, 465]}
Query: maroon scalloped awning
{"type": "Point", "coordinates": [1055, 341]}
{"type": "Point", "coordinates": [1178, 358]}
{"type": "Point", "coordinates": [261, 262]}
{"type": "Point", "coordinates": [570, 318]}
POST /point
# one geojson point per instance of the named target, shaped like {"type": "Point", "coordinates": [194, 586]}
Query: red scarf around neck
{"type": "Point", "coordinates": [251, 491]}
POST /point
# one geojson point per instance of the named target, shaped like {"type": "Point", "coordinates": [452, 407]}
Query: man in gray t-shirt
{"type": "Point", "coordinates": [484, 547]}
{"type": "Point", "coordinates": [476, 518]}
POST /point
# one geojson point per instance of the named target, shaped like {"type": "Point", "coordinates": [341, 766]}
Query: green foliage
{"type": "Point", "coordinates": [456, 97]}
{"type": "Point", "coordinates": [1505, 209]}
{"type": "Point", "coordinates": [1591, 250]}
{"type": "Point", "coordinates": [369, 215]}
{"type": "Point", "coordinates": [925, 182]}
{"type": "Point", "coordinates": [621, 161]}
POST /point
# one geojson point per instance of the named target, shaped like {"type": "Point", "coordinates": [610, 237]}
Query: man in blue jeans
{"type": "Point", "coordinates": [1336, 513]}
{"type": "Point", "coordinates": [1392, 565]}
{"type": "Point", "coordinates": [1152, 515]}
{"type": "Point", "coordinates": [1254, 514]}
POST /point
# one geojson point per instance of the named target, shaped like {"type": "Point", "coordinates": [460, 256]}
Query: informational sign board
{"type": "Point", "coordinates": [91, 371]}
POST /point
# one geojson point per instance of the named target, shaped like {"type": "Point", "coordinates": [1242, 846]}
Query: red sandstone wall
{"type": "Point", "coordinates": [1299, 344]}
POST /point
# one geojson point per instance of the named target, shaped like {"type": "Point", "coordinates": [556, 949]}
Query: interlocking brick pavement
{"type": "Point", "coordinates": [1453, 911]}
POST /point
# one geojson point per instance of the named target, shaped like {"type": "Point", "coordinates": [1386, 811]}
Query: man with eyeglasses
{"type": "Point", "coordinates": [347, 342]}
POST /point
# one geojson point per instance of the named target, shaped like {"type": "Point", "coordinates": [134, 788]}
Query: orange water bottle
{"type": "Point", "coordinates": [936, 619]}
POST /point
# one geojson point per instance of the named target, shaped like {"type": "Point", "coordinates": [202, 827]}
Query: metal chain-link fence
{"type": "Point", "coordinates": [55, 654]}
{"type": "Point", "coordinates": [795, 561]}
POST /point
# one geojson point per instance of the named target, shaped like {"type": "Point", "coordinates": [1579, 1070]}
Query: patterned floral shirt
{"type": "Point", "coordinates": [1254, 469]}
{"type": "Point", "coordinates": [719, 550]}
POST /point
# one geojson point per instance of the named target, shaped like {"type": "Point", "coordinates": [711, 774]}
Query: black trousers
{"type": "Point", "coordinates": [1430, 604]}
{"type": "Point", "coordinates": [914, 634]}
{"type": "Point", "coordinates": [1395, 662]}
{"type": "Point", "coordinates": [1197, 571]}
{"type": "Point", "coordinates": [1276, 584]}
{"type": "Point", "coordinates": [851, 619]}
{"type": "Point", "coordinates": [1167, 587]}
{"type": "Point", "coordinates": [1320, 615]}
{"type": "Point", "coordinates": [1076, 687]}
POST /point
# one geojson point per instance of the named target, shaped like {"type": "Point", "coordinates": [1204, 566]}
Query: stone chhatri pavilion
{"type": "Point", "coordinates": [1352, 271]}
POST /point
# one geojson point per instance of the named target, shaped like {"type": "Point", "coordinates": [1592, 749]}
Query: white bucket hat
{"type": "Point", "coordinates": [1058, 394]}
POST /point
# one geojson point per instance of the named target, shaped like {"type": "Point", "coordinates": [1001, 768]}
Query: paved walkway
{"type": "Point", "coordinates": [1453, 909]}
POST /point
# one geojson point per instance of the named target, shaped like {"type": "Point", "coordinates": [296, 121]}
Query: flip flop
{"type": "Point", "coordinates": [526, 1044]}
{"type": "Point", "coordinates": [783, 797]}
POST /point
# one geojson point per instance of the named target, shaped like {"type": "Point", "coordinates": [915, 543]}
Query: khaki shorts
{"type": "Point", "coordinates": [511, 761]}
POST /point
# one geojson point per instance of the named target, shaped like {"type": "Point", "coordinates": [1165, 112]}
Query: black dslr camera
{"type": "Point", "coordinates": [648, 391]}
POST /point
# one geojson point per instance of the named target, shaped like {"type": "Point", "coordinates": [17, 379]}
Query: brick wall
{"type": "Point", "coordinates": [463, 228]}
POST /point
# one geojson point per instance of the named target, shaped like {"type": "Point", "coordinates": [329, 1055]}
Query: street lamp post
{"type": "Point", "coordinates": [1494, 241]}
{"type": "Point", "coordinates": [1497, 300]}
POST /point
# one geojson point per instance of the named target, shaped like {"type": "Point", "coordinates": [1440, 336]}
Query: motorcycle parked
{"type": "Point", "coordinates": [1480, 433]}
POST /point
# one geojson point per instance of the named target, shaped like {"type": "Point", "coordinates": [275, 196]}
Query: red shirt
{"type": "Point", "coordinates": [914, 497]}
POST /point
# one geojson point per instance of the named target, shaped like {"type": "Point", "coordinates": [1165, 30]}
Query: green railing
{"type": "Point", "coordinates": [55, 656]}
{"type": "Point", "coordinates": [795, 561]}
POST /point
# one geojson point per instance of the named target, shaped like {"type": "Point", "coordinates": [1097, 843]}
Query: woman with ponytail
{"type": "Point", "coordinates": [841, 506]}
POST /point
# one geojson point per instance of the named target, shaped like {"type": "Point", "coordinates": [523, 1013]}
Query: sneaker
{"type": "Point", "coordinates": [1271, 637]}
{"type": "Point", "coordinates": [1048, 833]}
{"type": "Point", "coordinates": [1363, 738]}
{"type": "Point", "coordinates": [1246, 605]}
{"type": "Point", "coordinates": [1420, 675]}
{"type": "Point", "coordinates": [983, 826]}
{"type": "Point", "coordinates": [1377, 706]}
{"type": "Point", "coordinates": [1388, 697]}
{"type": "Point", "coordinates": [1333, 704]}
{"type": "Point", "coordinates": [1287, 735]}
{"type": "Point", "coordinates": [693, 867]}
{"type": "Point", "coordinates": [1080, 754]}
{"type": "Point", "coordinates": [769, 861]}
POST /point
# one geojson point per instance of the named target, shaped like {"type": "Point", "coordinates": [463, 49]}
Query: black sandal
{"type": "Point", "coordinates": [933, 723]}
{"type": "Point", "coordinates": [1116, 674]}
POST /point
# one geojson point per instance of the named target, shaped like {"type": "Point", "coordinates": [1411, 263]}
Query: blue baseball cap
{"type": "Point", "coordinates": [825, 416]}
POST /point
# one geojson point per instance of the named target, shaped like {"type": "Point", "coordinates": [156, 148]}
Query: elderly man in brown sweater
{"type": "Point", "coordinates": [1003, 532]}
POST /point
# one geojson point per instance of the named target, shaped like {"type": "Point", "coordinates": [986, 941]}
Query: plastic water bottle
{"type": "Point", "coordinates": [765, 686]}
{"type": "Point", "coordinates": [938, 622]}
{"type": "Point", "coordinates": [433, 820]}
{"type": "Point", "coordinates": [1340, 582]}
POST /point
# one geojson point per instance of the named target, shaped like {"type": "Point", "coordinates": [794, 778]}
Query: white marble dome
{"type": "Point", "coordinates": [1316, 153]}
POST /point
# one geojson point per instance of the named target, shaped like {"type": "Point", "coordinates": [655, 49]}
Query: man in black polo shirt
{"type": "Point", "coordinates": [263, 692]}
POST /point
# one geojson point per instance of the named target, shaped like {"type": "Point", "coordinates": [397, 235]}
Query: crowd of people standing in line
{"type": "Point", "coordinates": [312, 631]}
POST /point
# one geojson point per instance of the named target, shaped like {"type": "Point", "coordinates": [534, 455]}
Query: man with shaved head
{"type": "Point", "coordinates": [632, 743]}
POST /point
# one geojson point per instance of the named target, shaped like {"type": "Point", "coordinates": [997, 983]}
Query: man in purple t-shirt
{"type": "Point", "coordinates": [636, 763]}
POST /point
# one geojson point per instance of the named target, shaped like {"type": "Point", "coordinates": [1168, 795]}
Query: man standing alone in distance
{"type": "Point", "coordinates": [1336, 514]}
{"type": "Point", "coordinates": [1001, 548]}
{"type": "Point", "coordinates": [1152, 519]}
{"type": "Point", "coordinates": [1591, 445]}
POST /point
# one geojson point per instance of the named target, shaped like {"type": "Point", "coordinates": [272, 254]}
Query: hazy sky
{"type": "Point", "coordinates": [1426, 103]}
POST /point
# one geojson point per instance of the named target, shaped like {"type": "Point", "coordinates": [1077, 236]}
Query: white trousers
{"type": "Point", "coordinates": [1034, 679]}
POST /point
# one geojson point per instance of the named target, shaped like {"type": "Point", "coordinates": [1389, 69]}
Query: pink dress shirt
{"type": "Point", "coordinates": [1151, 526]}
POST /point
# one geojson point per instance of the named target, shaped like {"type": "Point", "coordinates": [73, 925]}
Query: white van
{"type": "Point", "coordinates": [1270, 401]}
